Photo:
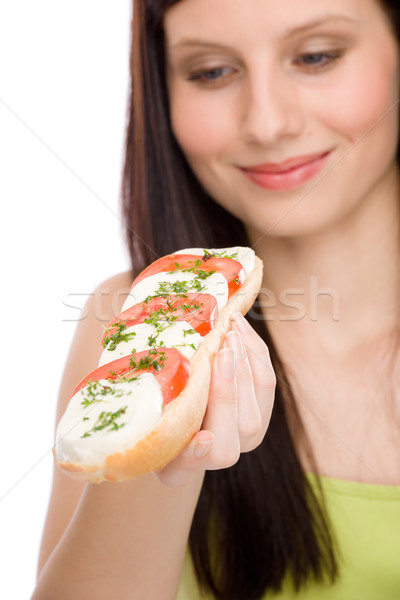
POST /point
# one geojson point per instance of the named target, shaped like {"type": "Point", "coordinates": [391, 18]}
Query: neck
{"type": "Point", "coordinates": [341, 284]}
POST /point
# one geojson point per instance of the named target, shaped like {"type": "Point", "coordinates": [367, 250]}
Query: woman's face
{"type": "Point", "coordinates": [286, 111]}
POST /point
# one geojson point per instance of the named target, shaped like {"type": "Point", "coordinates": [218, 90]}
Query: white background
{"type": "Point", "coordinates": [63, 97]}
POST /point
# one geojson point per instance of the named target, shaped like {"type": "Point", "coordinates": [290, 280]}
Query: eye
{"type": "Point", "coordinates": [317, 60]}
{"type": "Point", "coordinates": [210, 75]}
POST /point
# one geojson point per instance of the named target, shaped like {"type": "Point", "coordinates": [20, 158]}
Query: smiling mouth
{"type": "Point", "coordinates": [288, 174]}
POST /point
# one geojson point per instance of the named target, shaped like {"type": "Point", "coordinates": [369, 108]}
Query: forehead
{"type": "Point", "coordinates": [276, 18]}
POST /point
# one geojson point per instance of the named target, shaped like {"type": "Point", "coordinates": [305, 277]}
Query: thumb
{"type": "Point", "coordinates": [191, 460]}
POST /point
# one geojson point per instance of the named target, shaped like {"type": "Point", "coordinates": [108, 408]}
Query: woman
{"type": "Point", "coordinates": [273, 125]}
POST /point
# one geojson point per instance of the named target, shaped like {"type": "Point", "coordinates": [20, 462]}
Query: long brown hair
{"type": "Point", "coordinates": [261, 517]}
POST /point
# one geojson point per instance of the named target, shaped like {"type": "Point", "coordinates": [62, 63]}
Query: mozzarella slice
{"type": "Point", "coordinates": [215, 284]}
{"type": "Point", "coordinates": [130, 409]}
{"type": "Point", "coordinates": [178, 334]}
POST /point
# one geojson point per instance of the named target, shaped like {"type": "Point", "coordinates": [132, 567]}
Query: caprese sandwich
{"type": "Point", "coordinates": [148, 396]}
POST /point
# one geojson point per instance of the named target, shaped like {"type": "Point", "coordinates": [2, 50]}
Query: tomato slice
{"type": "Point", "coordinates": [231, 269]}
{"type": "Point", "coordinates": [169, 366]}
{"type": "Point", "coordinates": [200, 311]}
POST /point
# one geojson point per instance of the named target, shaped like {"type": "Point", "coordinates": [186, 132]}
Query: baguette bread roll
{"type": "Point", "coordinates": [156, 444]}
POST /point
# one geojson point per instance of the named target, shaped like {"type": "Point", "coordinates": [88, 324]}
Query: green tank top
{"type": "Point", "coordinates": [366, 521]}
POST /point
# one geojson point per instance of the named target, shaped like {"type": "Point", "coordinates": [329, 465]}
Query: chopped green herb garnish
{"type": "Point", "coordinates": [223, 254]}
{"type": "Point", "coordinates": [157, 316]}
{"type": "Point", "coordinates": [191, 306]}
{"type": "Point", "coordinates": [207, 255]}
{"type": "Point", "coordinates": [148, 361]}
{"type": "Point", "coordinates": [171, 305]}
{"type": "Point", "coordinates": [95, 391]}
{"type": "Point", "coordinates": [107, 419]}
{"type": "Point", "coordinates": [123, 379]}
{"type": "Point", "coordinates": [111, 341]}
{"type": "Point", "coordinates": [188, 332]}
{"type": "Point", "coordinates": [201, 274]}
{"type": "Point", "coordinates": [152, 339]}
{"type": "Point", "coordinates": [179, 288]}
{"type": "Point", "coordinates": [160, 319]}
{"type": "Point", "coordinates": [179, 345]}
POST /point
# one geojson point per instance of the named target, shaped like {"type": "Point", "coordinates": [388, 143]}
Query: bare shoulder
{"type": "Point", "coordinates": [103, 305]}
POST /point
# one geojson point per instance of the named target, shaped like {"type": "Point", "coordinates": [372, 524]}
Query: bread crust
{"type": "Point", "coordinates": [182, 417]}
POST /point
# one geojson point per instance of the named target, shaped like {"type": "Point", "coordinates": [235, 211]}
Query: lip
{"type": "Point", "coordinates": [288, 174]}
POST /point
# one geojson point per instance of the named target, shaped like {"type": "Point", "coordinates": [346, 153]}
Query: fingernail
{"type": "Point", "coordinates": [235, 342]}
{"type": "Point", "coordinates": [241, 323]}
{"type": "Point", "coordinates": [203, 447]}
{"type": "Point", "coordinates": [226, 363]}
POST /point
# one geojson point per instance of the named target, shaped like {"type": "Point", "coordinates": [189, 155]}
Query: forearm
{"type": "Point", "coordinates": [125, 540]}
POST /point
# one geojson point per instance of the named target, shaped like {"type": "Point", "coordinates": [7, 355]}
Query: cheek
{"type": "Point", "coordinates": [199, 126]}
{"type": "Point", "coordinates": [364, 106]}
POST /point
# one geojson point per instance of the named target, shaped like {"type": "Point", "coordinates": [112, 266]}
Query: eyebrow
{"type": "Point", "coordinates": [318, 22]}
{"type": "Point", "coordinates": [188, 42]}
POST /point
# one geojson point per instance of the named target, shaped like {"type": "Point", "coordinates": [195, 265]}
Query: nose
{"type": "Point", "coordinates": [271, 108]}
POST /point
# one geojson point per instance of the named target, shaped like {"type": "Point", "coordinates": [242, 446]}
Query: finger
{"type": "Point", "coordinates": [221, 416]}
{"type": "Point", "coordinates": [260, 362]}
{"type": "Point", "coordinates": [249, 416]}
{"type": "Point", "coordinates": [191, 460]}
